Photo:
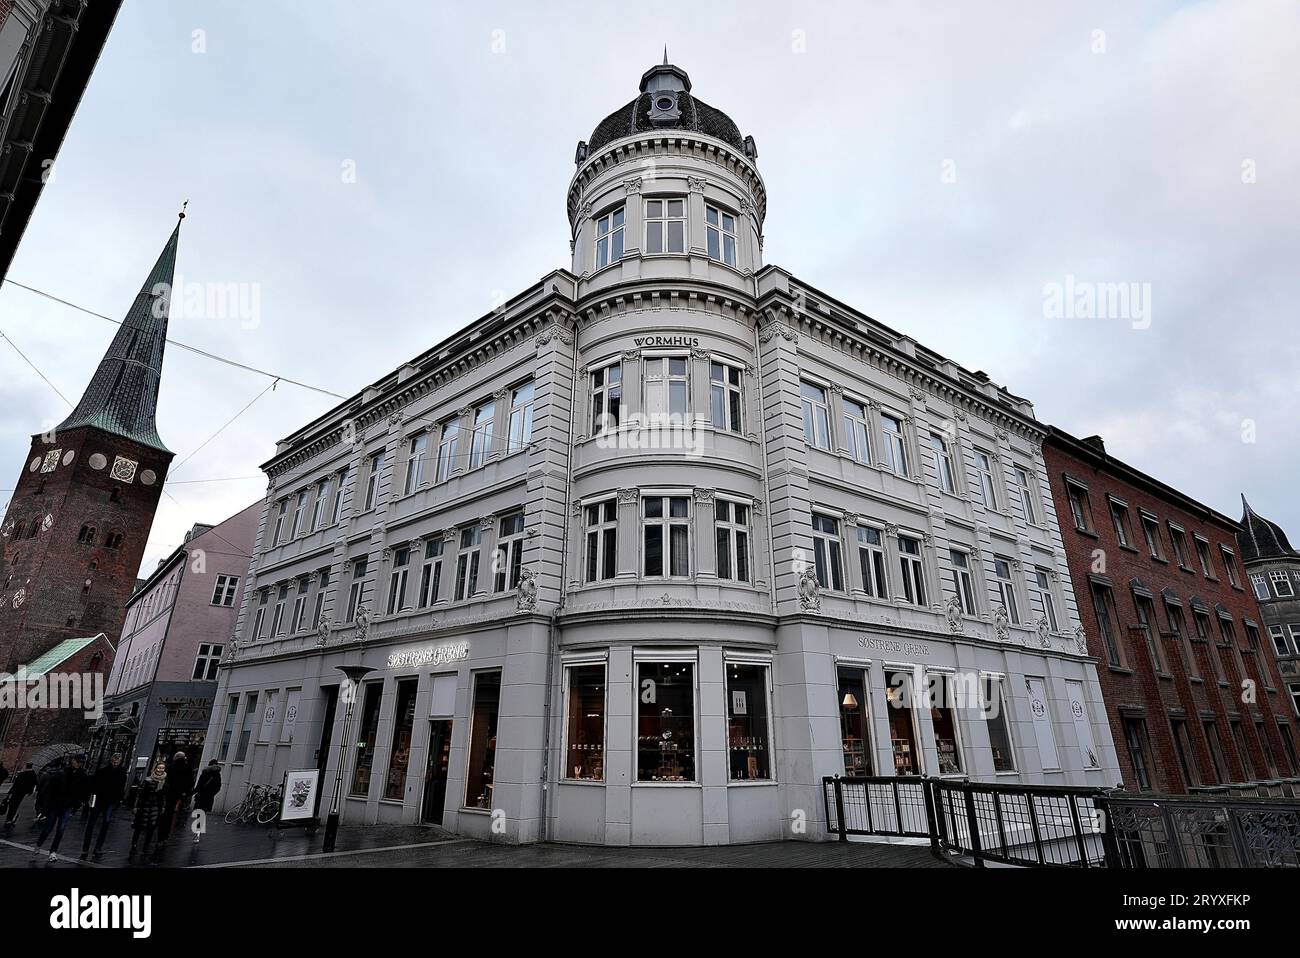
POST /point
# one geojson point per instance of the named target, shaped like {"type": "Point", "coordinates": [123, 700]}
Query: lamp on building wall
{"type": "Point", "coordinates": [353, 674]}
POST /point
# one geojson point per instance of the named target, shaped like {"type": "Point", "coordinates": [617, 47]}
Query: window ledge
{"type": "Point", "coordinates": [1127, 548]}
{"type": "Point", "coordinates": [665, 785]}
{"type": "Point", "coordinates": [476, 811]}
{"type": "Point", "coordinates": [770, 783]}
{"type": "Point", "coordinates": [1120, 669]}
{"type": "Point", "coordinates": [1160, 559]}
{"type": "Point", "coordinates": [1086, 532]}
{"type": "Point", "coordinates": [581, 781]}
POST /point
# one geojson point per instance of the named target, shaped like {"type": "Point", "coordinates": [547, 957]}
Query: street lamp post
{"type": "Point", "coordinates": [354, 674]}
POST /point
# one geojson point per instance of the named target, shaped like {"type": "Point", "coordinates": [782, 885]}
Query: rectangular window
{"type": "Point", "coordinates": [1151, 532]}
{"type": "Point", "coordinates": [1082, 725]}
{"type": "Point", "coordinates": [895, 447]}
{"type": "Point", "coordinates": [318, 506]}
{"type": "Point", "coordinates": [1183, 748]}
{"type": "Point", "coordinates": [207, 662]}
{"type": "Point", "coordinates": [480, 444]}
{"type": "Point", "coordinates": [665, 734]}
{"type": "Point", "coordinates": [909, 558]}
{"type": "Point", "coordinates": [584, 741]}
{"type": "Point", "coordinates": [1243, 751]}
{"type": "Point", "coordinates": [336, 510]}
{"type": "Point", "coordinates": [246, 727]}
{"type": "Point", "coordinates": [300, 514]}
{"type": "Point", "coordinates": [374, 466]}
{"type": "Point", "coordinates": [277, 619]}
{"type": "Point", "coordinates": [1080, 511]}
{"type": "Point", "coordinates": [280, 512]}
{"type": "Point", "coordinates": [827, 562]}
{"type": "Point", "coordinates": [731, 529]}
{"type": "Point", "coordinates": [448, 446]}
{"type": "Point", "coordinates": [943, 715]}
{"type": "Point", "coordinates": [606, 398]}
{"type": "Point", "coordinates": [1147, 622]}
{"type": "Point", "coordinates": [356, 590]}
{"type": "Point", "coordinates": [1041, 710]}
{"type": "Point", "coordinates": [1278, 635]}
{"type": "Point", "coordinates": [748, 743]}
{"type": "Point", "coordinates": [1281, 583]}
{"type": "Point", "coordinates": [665, 226]}
{"type": "Point", "coordinates": [725, 394]}
{"type": "Point", "coordinates": [816, 416]}
{"type": "Point", "coordinates": [998, 724]}
{"type": "Point", "coordinates": [899, 696]}
{"type": "Point", "coordinates": [1221, 775]}
{"type": "Point", "coordinates": [299, 606]}
{"type": "Point", "coordinates": [481, 761]}
{"type": "Point", "coordinates": [467, 562]}
{"type": "Point", "coordinates": [1041, 587]}
{"type": "Point", "coordinates": [1260, 584]}
{"type": "Point", "coordinates": [1179, 628]}
{"type": "Point", "coordinates": [1203, 554]}
{"type": "Point", "coordinates": [366, 738]}
{"type": "Point", "coordinates": [1230, 566]}
{"type": "Point", "coordinates": [984, 473]}
{"type": "Point", "coordinates": [601, 555]}
{"type": "Point", "coordinates": [397, 580]}
{"type": "Point", "coordinates": [1178, 539]}
{"type": "Point", "coordinates": [224, 593]}
{"type": "Point", "coordinates": [1270, 759]}
{"type": "Point", "coordinates": [961, 581]}
{"type": "Point", "coordinates": [667, 388]}
{"type": "Point", "coordinates": [416, 453]}
{"type": "Point", "coordinates": [666, 540]}
{"type": "Point", "coordinates": [259, 619]}
{"type": "Point", "coordinates": [509, 555]}
{"type": "Point", "coordinates": [720, 234]}
{"type": "Point", "coordinates": [1202, 623]}
{"type": "Point", "coordinates": [431, 573]}
{"type": "Point", "coordinates": [1005, 588]}
{"type": "Point", "coordinates": [609, 238]}
{"type": "Point", "coordinates": [521, 416]}
{"type": "Point", "coordinates": [856, 431]}
{"type": "Point", "coordinates": [1025, 486]}
{"type": "Point", "coordinates": [228, 730]}
{"type": "Point", "coordinates": [1119, 519]}
{"type": "Point", "coordinates": [1135, 737]}
{"type": "Point", "coordinates": [855, 724]}
{"type": "Point", "coordinates": [1288, 743]}
{"type": "Point", "coordinates": [399, 754]}
{"type": "Point", "coordinates": [871, 560]}
{"type": "Point", "coordinates": [322, 589]}
{"type": "Point", "coordinates": [943, 463]}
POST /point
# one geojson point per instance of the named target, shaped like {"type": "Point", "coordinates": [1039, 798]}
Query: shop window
{"type": "Point", "coordinates": [748, 744]}
{"type": "Point", "coordinates": [399, 755]}
{"type": "Point", "coordinates": [448, 444]}
{"type": "Point", "coordinates": [665, 722]}
{"type": "Point", "coordinates": [602, 540]}
{"type": "Point", "coordinates": [481, 761]}
{"type": "Point", "coordinates": [1139, 751]}
{"type": "Point", "coordinates": [509, 555]}
{"type": "Point", "coordinates": [246, 729]}
{"type": "Point", "coordinates": [366, 738]}
{"type": "Point", "coordinates": [828, 565]}
{"type": "Point", "coordinates": [899, 696]}
{"type": "Point", "coordinates": [431, 573]}
{"type": "Point", "coordinates": [871, 558]}
{"type": "Point", "coordinates": [855, 723]}
{"type": "Point", "coordinates": [585, 729]}
{"type": "Point", "coordinates": [943, 716]}
{"type": "Point", "coordinates": [725, 396]}
{"type": "Point", "coordinates": [467, 562]}
{"type": "Point", "coordinates": [606, 398]}
{"type": "Point", "coordinates": [998, 724]}
{"type": "Point", "coordinates": [666, 536]}
{"type": "Point", "coordinates": [397, 580]}
{"type": "Point", "coordinates": [731, 527]}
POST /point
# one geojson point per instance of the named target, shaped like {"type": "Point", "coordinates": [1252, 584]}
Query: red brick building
{"type": "Point", "coordinates": [1192, 697]}
{"type": "Point", "coordinates": [75, 529]}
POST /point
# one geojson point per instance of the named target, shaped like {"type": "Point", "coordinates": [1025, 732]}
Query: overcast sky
{"type": "Point", "coordinates": [934, 165]}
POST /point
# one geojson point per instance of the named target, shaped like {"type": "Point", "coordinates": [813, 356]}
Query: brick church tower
{"type": "Point", "coordinates": [75, 531]}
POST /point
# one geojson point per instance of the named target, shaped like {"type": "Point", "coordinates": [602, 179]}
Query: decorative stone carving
{"type": "Point", "coordinates": [575, 507]}
{"type": "Point", "coordinates": [851, 518]}
{"type": "Point", "coordinates": [448, 535]}
{"type": "Point", "coordinates": [810, 597]}
{"type": "Point", "coordinates": [556, 331]}
{"type": "Point", "coordinates": [485, 522]}
{"type": "Point", "coordinates": [395, 419]}
{"type": "Point", "coordinates": [629, 495]}
{"type": "Point", "coordinates": [1001, 622]}
{"type": "Point", "coordinates": [1044, 632]}
{"type": "Point", "coordinates": [696, 184]}
{"type": "Point", "coordinates": [464, 411]}
{"type": "Point", "coordinates": [324, 627]}
{"type": "Point", "coordinates": [632, 186]}
{"type": "Point", "coordinates": [1081, 640]}
{"type": "Point", "coordinates": [954, 613]}
{"type": "Point", "coordinates": [891, 529]}
{"type": "Point", "coordinates": [584, 210]}
{"type": "Point", "coordinates": [746, 207]}
{"type": "Point", "coordinates": [772, 330]}
{"type": "Point", "coordinates": [699, 352]}
{"type": "Point", "coordinates": [526, 595]}
{"type": "Point", "coordinates": [837, 389]}
{"type": "Point", "coordinates": [1001, 434]}
{"type": "Point", "coordinates": [917, 394]}
{"type": "Point", "coordinates": [232, 647]}
{"type": "Point", "coordinates": [385, 554]}
{"type": "Point", "coordinates": [631, 355]}
{"type": "Point", "coordinates": [758, 505]}
{"type": "Point", "coordinates": [704, 495]}
{"type": "Point", "coordinates": [960, 415]}
{"type": "Point", "coordinates": [363, 623]}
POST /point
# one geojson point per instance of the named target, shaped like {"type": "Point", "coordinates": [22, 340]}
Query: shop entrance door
{"type": "Point", "coordinates": [435, 772]}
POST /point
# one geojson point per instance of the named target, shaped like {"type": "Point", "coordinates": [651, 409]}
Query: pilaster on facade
{"type": "Point", "coordinates": [546, 514]}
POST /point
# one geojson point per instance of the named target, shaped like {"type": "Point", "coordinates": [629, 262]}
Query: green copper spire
{"type": "Point", "coordinates": [122, 397]}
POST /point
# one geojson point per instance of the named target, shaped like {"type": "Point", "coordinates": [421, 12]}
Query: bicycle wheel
{"type": "Point", "coordinates": [234, 814]}
{"type": "Point", "coordinates": [268, 812]}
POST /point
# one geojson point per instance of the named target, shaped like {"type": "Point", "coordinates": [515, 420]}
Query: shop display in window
{"type": "Point", "coordinates": [366, 738]}
{"type": "Point", "coordinates": [902, 728]}
{"type": "Point", "coordinates": [665, 722]}
{"type": "Point", "coordinates": [749, 757]}
{"type": "Point", "coordinates": [943, 716]}
{"type": "Point", "coordinates": [483, 740]}
{"type": "Point", "coordinates": [853, 721]}
{"type": "Point", "coordinates": [586, 724]}
{"type": "Point", "coordinates": [400, 753]}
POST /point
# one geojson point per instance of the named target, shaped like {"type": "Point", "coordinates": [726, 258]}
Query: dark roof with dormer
{"type": "Point", "coordinates": [1261, 539]}
{"type": "Point", "coordinates": [122, 398]}
{"type": "Point", "coordinates": [696, 115]}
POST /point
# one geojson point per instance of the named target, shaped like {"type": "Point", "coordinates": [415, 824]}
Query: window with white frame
{"type": "Point", "coordinates": [1151, 533]}
{"type": "Point", "coordinates": [856, 431]}
{"type": "Point", "coordinates": [1025, 489]}
{"type": "Point", "coordinates": [725, 396]}
{"type": "Point", "coordinates": [1080, 509]}
{"type": "Point", "coordinates": [1230, 566]}
{"type": "Point", "coordinates": [962, 583]}
{"type": "Point", "coordinates": [984, 479]}
{"type": "Point", "coordinates": [943, 463]}
{"type": "Point", "coordinates": [417, 451]}
{"type": "Point", "coordinates": [749, 747]}
{"type": "Point", "coordinates": [357, 589]}
{"type": "Point", "coordinates": [665, 721]}
{"type": "Point", "coordinates": [277, 617]}
{"type": "Point", "coordinates": [584, 728]}
{"type": "Point", "coordinates": [318, 507]}
{"type": "Point", "coordinates": [467, 560]}
{"type": "Point", "coordinates": [509, 556]}
{"type": "Point", "coordinates": [606, 398]}
{"type": "Point", "coordinates": [448, 447]}
{"type": "Point", "coordinates": [895, 445]}
{"type": "Point", "coordinates": [665, 536]}
{"type": "Point", "coordinates": [666, 387]}
{"type": "Point", "coordinates": [998, 724]}
{"type": "Point", "coordinates": [207, 662]}
{"type": "Point", "coordinates": [322, 589]}
{"type": "Point", "coordinates": [1295, 636]}
{"type": "Point", "coordinates": [601, 552]}
{"type": "Point", "coordinates": [280, 512]}
{"type": "Point", "coordinates": [1005, 588]}
{"type": "Point", "coordinates": [609, 238]}
{"type": "Point", "coordinates": [521, 416]}
{"type": "Point", "coordinates": [871, 560]}
{"type": "Point", "coordinates": [336, 510]}
{"type": "Point", "coordinates": [1260, 584]}
{"type": "Point", "coordinates": [259, 618]}
{"type": "Point", "coordinates": [1120, 522]}
{"type": "Point", "coordinates": [300, 514]}
{"type": "Point", "coordinates": [909, 560]}
{"type": "Point", "coordinates": [943, 714]}
{"type": "Point", "coordinates": [224, 593]}
{"type": "Point", "coordinates": [1203, 554]}
{"type": "Point", "coordinates": [431, 572]}
{"type": "Point", "coordinates": [816, 415]}
{"type": "Point", "coordinates": [299, 606]}
{"type": "Point", "coordinates": [1278, 635]}
{"type": "Point", "coordinates": [375, 465]}
{"type": "Point", "coordinates": [397, 580]}
{"type": "Point", "coordinates": [1040, 584]}
{"type": "Point", "coordinates": [720, 235]}
{"type": "Point", "coordinates": [731, 529]}
{"type": "Point", "coordinates": [480, 443]}
{"type": "Point", "coordinates": [1281, 583]}
{"type": "Point", "coordinates": [665, 225]}
{"type": "Point", "coordinates": [828, 564]}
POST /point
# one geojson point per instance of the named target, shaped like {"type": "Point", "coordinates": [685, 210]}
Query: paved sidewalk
{"type": "Point", "coordinates": [422, 846]}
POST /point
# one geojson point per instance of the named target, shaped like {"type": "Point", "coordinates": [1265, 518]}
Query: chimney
{"type": "Point", "coordinates": [1096, 442]}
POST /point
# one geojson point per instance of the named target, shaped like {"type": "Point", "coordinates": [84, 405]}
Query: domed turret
{"type": "Point", "coordinates": [1261, 539]}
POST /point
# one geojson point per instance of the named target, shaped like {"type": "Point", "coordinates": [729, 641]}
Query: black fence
{"type": "Point", "coordinates": [1060, 826]}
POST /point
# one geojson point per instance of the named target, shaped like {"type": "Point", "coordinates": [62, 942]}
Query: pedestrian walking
{"type": "Point", "coordinates": [180, 782]}
{"type": "Point", "coordinates": [205, 792]}
{"type": "Point", "coordinates": [64, 789]}
{"type": "Point", "coordinates": [107, 787]}
{"type": "Point", "coordinates": [24, 784]}
{"type": "Point", "coordinates": [148, 806]}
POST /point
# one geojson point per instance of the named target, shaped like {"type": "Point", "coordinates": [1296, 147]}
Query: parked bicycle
{"type": "Point", "coordinates": [261, 803]}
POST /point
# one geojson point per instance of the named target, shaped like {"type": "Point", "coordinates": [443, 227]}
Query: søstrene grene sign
{"type": "Point", "coordinates": [430, 655]}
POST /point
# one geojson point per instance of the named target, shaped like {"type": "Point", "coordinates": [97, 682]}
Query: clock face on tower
{"type": "Point", "coordinates": [124, 469]}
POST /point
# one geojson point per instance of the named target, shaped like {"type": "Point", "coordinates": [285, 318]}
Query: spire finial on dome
{"type": "Point", "coordinates": [665, 54]}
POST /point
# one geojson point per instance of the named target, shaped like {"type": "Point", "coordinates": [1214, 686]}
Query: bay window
{"type": "Point", "coordinates": [667, 388]}
{"type": "Point", "coordinates": [725, 396]}
{"type": "Point", "coordinates": [720, 235]}
{"type": "Point", "coordinates": [827, 563]}
{"type": "Point", "coordinates": [601, 555]}
{"type": "Point", "coordinates": [665, 226]}
{"type": "Point", "coordinates": [665, 734]}
{"type": "Point", "coordinates": [731, 527]}
{"type": "Point", "coordinates": [606, 398]}
{"type": "Point", "coordinates": [584, 736]}
{"type": "Point", "coordinates": [609, 238]}
{"type": "Point", "coordinates": [748, 733]}
{"type": "Point", "coordinates": [665, 527]}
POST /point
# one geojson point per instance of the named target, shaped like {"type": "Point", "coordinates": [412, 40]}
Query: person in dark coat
{"type": "Point", "coordinates": [180, 782]}
{"type": "Point", "coordinates": [24, 784]}
{"type": "Point", "coordinates": [107, 788]}
{"type": "Point", "coordinates": [205, 792]}
{"type": "Point", "coordinates": [148, 805]}
{"type": "Point", "coordinates": [4, 773]}
{"type": "Point", "coordinates": [62, 792]}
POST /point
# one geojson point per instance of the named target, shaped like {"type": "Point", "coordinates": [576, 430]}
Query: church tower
{"type": "Point", "coordinates": [75, 531]}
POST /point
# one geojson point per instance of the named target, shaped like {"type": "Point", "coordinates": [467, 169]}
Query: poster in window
{"type": "Point", "coordinates": [739, 702]}
{"type": "Point", "coordinates": [299, 801]}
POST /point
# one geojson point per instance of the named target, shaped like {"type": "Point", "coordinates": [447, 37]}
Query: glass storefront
{"type": "Point", "coordinates": [854, 726]}
{"type": "Point", "coordinates": [943, 715]}
{"type": "Point", "coordinates": [399, 756]}
{"type": "Point", "coordinates": [665, 743]}
{"type": "Point", "coordinates": [749, 757]}
{"type": "Point", "coordinates": [585, 730]}
{"type": "Point", "coordinates": [483, 740]}
{"type": "Point", "coordinates": [902, 726]}
{"type": "Point", "coordinates": [365, 741]}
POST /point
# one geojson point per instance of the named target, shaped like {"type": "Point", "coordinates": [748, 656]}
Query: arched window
{"type": "Point", "coordinates": [113, 540]}
{"type": "Point", "coordinates": [34, 528]}
{"type": "Point", "coordinates": [86, 535]}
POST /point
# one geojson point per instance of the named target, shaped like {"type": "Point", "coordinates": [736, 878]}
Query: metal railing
{"type": "Point", "coordinates": [1184, 831]}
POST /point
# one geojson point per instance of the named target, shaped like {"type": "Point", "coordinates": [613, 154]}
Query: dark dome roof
{"type": "Point", "coordinates": [696, 115]}
{"type": "Point", "coordinates": [1261, 539]}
